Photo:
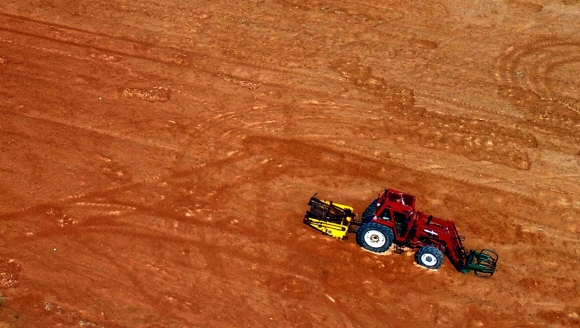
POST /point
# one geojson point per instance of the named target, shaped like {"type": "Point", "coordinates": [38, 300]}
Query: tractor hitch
{"type": "Point", "coordinates": [482, 263]}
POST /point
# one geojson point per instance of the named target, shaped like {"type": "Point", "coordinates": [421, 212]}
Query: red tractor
{"type": "Point", "coordinates": [392, 219]}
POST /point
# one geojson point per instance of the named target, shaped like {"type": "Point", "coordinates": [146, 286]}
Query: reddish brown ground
{"type": "Point", "coordinates": [157, 156]}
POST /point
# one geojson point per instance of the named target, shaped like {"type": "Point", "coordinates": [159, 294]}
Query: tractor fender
{"type": "Point", "coordinates": [370, 211]}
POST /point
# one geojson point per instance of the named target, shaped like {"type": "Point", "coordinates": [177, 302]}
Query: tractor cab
{"type": "Point", "coordinates": [399, 199]}
{"type": "Point", "coordinates": [398, 208]}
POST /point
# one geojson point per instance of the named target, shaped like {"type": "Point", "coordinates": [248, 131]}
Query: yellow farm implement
{"type": "Point", "coordinates": [330, 218]}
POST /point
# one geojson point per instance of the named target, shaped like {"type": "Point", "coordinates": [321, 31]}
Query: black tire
{"type": "Point", "coordinates": [375, 237]}
{"type": "Point", "coordinates": [370, 211]}
{"type": "Point", "coordinates": [429, 257]}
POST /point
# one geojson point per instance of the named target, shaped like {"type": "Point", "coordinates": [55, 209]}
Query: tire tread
{"type": "Point", "coordinates": [388, 232]}
{"type": "Point", "coordinates": [430, 250]}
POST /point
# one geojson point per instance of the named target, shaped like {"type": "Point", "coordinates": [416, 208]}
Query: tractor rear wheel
{"type": "Point", "coordinates": [370, 211]}
{"type": "Point", "coordinates": [429, 257]}
{"type": "Point", "coordinates": [375, 237]}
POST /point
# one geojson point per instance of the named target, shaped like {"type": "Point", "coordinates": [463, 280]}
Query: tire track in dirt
{"type": "Point", "coordinates": [164, 52]}
{"type": "Point", "coordinates": [113, 272]}
{"type": "Point", "coordinates": [113, 170]}
{"type": "Point", "coordinates": [107, 206]}
{"type": "Point", "coordinates": [151, 233]}
{"type": "Point", "coordinates": [108, 45]}
{"type": "Point", "coordinates": [243, 54]}
{"type": "Point", "coordinates": [523, 76]}
{"type": "Point", "coordinates": [474, 139]}
{"type": "Point", "coordinates": [267, 204]}
{"type": "Point", "coordinates": [120, 270]}
{"type": "Point", "coordinates": [481, 140]}
{"type": "Point", "coordinates": [133, 206]}
{"type": "Point", "coordinates": [92, 130]}
{"type": "Point", "coordinates": [569, 102]}
{"type": "Point", "coordinates": [341, 121]}
{"type": "Point", "coordinates": [84, 199]}
{"type": "Point", "coordinates": [105, 132]}
{"type": "Point", "coordinates": [153, 225]}
{"type": "Point", "coordinates": [468, 108]}
{"type": "Point", "coordinates": [80, 38]}
{"type": "Point", "coordinates": [107, 39]}
{"type": "Point", "coordinates": [90, 40]}
{"type": "Point", "coordinates": [3, 65]}
{"type": "Point", "coordinates": [528, 65]}
{"type": "Point", "coordinates": [268, 67]}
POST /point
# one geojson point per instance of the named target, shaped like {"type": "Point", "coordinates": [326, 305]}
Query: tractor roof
{"type": "Point", "coordinates": [400, 200]}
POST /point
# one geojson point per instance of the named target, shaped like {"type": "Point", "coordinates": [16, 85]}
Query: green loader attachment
{"type": "Point", "coordinates": [482, 263]}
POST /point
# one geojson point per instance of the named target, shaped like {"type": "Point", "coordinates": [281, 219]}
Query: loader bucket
{"type": "Point", "coordinates": [482, 263]}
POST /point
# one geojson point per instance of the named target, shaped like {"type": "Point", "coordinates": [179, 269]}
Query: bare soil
{"type": "Point", "coordinates": [156, 158]}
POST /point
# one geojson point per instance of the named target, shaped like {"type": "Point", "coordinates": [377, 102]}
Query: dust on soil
{"type": "Point", "coordinates": [156, 158]}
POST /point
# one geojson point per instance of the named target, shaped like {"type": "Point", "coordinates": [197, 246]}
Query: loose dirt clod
{"type": "Point", "coordinates": [155, 94]}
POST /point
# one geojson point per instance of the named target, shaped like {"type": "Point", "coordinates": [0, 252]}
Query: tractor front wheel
{"type": "Point", "coordinates": [375, 237]}
{"type": "Point", "coordinates": [429, 257]}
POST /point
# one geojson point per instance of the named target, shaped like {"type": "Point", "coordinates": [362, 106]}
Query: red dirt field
{"type": "Point", "coordinates": [157, 157]}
